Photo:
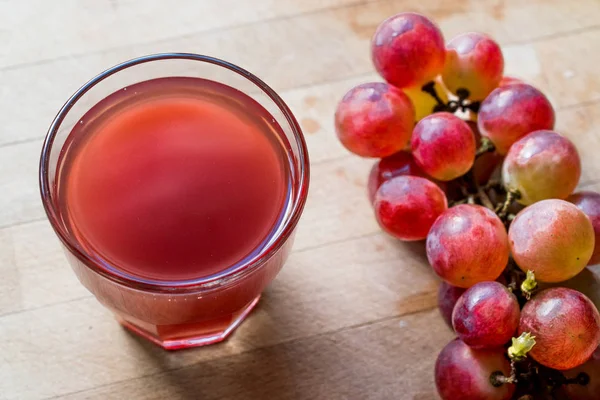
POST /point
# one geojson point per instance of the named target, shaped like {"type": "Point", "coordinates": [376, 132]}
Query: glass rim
{"type": "Point", "coordinates": [211, 282]}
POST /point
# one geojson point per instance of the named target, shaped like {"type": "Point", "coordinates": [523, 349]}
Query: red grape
{"type": "Point", "coordinates": [398, 164]}
{"type": "Point", "coordinates": [486, 315]}
{"type": "Point", "coordinates": [589, 203]}
{"type": "Point", "coordinates": [511, 112]}
{"type": "Point", "coordinates": [590, 389]}
{"type": "Point", "coordinates": [443, 146]}
{"type": "Point", "coordinates": [407, 206]}
{"type": "Point", "coordinates": [468, 244]}
{"type": "Point", "coordinates": [465, 373]}
{"type": "Point", "coordinates": [552, 238]}
{"type": "Point", "coordinates": [542, 165]}
{"type": "Point", "coordinates": [408, 50]}
{"type": "Point", "coordinates": [473, 62]}
{"type": "Point", "coordinates": [374, 120]}
{"type": "Point", "coordinates": [566, 326]}
{"type": "Point", "coordinates": [424, 102]}
{"type": "Point", "coordinates": [447, 297]}
{"type": "Point", "coordinates": [509, 80]}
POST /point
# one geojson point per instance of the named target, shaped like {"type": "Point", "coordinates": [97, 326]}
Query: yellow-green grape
{"type": "Point", "coordinates": [542, 165]}
{"type": "Point", "coordinates": [552, 238]}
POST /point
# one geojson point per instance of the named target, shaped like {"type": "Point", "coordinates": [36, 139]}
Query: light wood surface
{"type": "Point", "coordinates": [352, 315]}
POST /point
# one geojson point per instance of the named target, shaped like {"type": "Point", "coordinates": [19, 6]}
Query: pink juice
{"type": "Point", "coordinates": [175, 178]}
{"type": "Point", "coordinates": [176, 183]}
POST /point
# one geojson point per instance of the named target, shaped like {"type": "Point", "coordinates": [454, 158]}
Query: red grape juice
{"type": "Point", "coordinates": [174, 179]}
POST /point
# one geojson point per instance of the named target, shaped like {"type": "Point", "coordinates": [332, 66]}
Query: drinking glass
{"type": "Point", "coordinates": [176, 314]}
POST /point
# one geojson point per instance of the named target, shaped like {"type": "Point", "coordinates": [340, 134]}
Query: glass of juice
{"type": "Point", "coordinates": [175, 183]}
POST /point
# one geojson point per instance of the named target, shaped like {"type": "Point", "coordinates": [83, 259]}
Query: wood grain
{"type": "Point", "coordinates": [274, 372]}
{"type": "Point", "coordinates": [351, 315]}
{"type": "Point", "coordinates": [580, 125]}
{"type": "Point", "coordinates": [72, 28]}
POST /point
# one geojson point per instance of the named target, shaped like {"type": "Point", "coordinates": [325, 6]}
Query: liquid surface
{"type": "Point", "coordinates": [174, 178]}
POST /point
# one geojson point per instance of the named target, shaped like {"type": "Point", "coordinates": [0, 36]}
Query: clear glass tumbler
{"type": "Point", "coordinates": [176, 314]}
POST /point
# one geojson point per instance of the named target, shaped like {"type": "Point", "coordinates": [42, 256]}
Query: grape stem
{"type": "Point", "coordinates": [463, 190]}
{"type": "Point", "coordinates": [517, 353]}
{"type": "Point", "coordinates": [502, 209]}
{"type": "Point", "coordinates": [498, 379]}
{"type": "Point", "coordinates": [581, 379]}
{"type": "Point", "coordinates": [514, 276]}
{"type": "Point", "coordinates": [486, 147]}
{"type": "Point", "coordinates": [471, 191]}
{"type": "Point", "coordinates": [458, 202]}
{"type": "Point", "coordinates": [429, 88]}
{"type": "Point", "coordinates": [453, 105]}
{"type": "Point", "coordinates": [485, 200]}
{"type": "Point", "coordinates": [520, 347]}
{"type": "Point", "coordinates": [528, 285]}
{"type": "Point", "coordinates": [493, 184]}
{"type": "Point", "coordinates": [555, 379]}
{"type": "Point", "coordinates": [545, 381]}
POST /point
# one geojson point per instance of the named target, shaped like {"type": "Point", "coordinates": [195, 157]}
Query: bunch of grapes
{"type": "Point", "coordinates": [469, 162]}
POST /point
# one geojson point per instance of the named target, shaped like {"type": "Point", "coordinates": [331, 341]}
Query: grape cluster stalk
{"type": "Point", "coordinates": [470, 165]}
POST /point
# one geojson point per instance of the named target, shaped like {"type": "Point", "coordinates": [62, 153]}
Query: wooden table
{"type": "Point", "coordinates": [352, 315]}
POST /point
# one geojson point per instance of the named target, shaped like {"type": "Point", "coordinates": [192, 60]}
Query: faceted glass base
{"type": "Point", "coordinates": [181, 336]}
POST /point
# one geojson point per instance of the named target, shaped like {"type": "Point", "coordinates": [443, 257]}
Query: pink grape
{"type": "Point", "coordinates": [467, 244]}
{"type": "Point", "coordinates": [552, 238]}
{"type": "Point", "coordinates": [511, 112]}
{"type": "Point", "coordinates": [566, 326]}
{"type": "Point", "coordinates": [473, 62]}
{"type": "Point", "coordinates": [465, 373]}
{"type": "Point", "coordinates": [589, 203]}
{"type": "Point", "coordinates": [407, 206]}
{"type": "Point", "coordinates": [590, 390]}
{"type": "Point", "coordinates": [398, 164]}
{"type": "Point", "coordinates": [443, 146]}
{"type": "Point", "coordinates": [486, 315]}
{"type": "Point", "coordinates": [447, 297]}
{"type": "Point", "coordinates": [408, 50]}
{"type": "Point", "coordinates": [374, 120]}
{"type": "Point", "coordinates": [542, 165]}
